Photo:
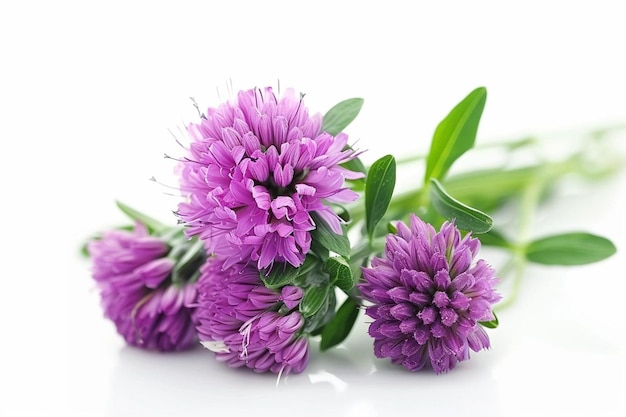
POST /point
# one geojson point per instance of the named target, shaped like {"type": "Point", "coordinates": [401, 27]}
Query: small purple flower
{"type": "Point", "coordinates": [133, 271]}
{"type": "Point", "coordinates": [248, 324]}
{"type": "Point", "coordinates": [428, 297]}
{"type": "Point", "coordinates": [256, 170]}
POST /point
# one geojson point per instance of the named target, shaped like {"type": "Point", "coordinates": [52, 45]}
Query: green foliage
{"type": "Point", "coordinates": [340, 273]}
{"type": "Point", "coordinates": [339, 327]}
{"type": "Point", "coordinates": [466, 218]}
{"type": "Point", "coordinates": [455, 135]}
{"type": "Point", "coordinates": [379, 185]}
{"type": "Point", "coordinates": [325, 237]}
{"type": "Point", "coordinates": [313, 299]}
{"type": "Point", "coordinates": [491, 324]}
{"type": "Point", "coordinates": [577, 248]}
{"type": "Point", "coordinates": [153, 225]}
{"type": "Point", "coordinates": [286, 274]}
{"type": "Point", "coordinates": [341, 115]}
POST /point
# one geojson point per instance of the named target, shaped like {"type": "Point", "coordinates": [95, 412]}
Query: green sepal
{"type": "Point", "coordinates": [314, 324]}
{"type": "Point", "coordinates": [285, 273]}
{"type": "Point", "coordinates": [491, 324]}
{"type": "Point", "coordinates": [340, 273]}
{"type": "Point", "coordinates": [324, 236]}
{"type": "Point", "coordinates": [313, 299]}
{"type": "Point", "coordinates": [193, 257]}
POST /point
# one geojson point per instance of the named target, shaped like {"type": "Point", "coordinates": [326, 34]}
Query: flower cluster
{"type": "Point", "coordinates": [279, 219]}
{"type": "Point", "coordinates": [133, 270]}
{"type": "Point", "coordinates": [428, 297]}
{"type": "Point", "coordinates": [257, 168]}
{"type": "Point", "coordinates": [248, 324]}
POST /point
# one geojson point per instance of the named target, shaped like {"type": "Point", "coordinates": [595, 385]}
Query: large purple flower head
{"type": "Point", "coordinates": [247, 324]}
{"type": "Point", "coordinates": [429, 297]}
{"type": "Point", "coordinates": [150, 304]}
{"type": "Point", "coordinates": [257, 169]}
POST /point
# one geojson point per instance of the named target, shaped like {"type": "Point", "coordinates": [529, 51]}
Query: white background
{"type": "Point", "coordinates": [88, 91]}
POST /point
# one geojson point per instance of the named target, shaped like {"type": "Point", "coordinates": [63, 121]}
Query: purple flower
{"type": "Point", "coordinates": [133, 271]}
{"type": "Point", "coordinates": [428, 297]}
{"type": "Point", "coordinates": [256, 170]}
{"type": "Point", "coordinates": [247, 324]}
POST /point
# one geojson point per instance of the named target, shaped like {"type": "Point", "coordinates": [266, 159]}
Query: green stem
{"type": "Point", "coordinates": [529, 202]}
{"type": "Point", "coordinates": [520, 266]}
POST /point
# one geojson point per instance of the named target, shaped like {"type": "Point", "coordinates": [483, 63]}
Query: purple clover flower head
{"type": "Point", "coordinates": [256, 170]}
{"type": "Point", "coordinates": [248, 324]}
{"type": "Point", "coordinates": [132, 271]}
{"type": "Point", "coordinates": [428, 297]}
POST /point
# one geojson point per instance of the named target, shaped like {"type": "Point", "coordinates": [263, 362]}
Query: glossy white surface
{"type": "Point", "coordinates": [89, 90]}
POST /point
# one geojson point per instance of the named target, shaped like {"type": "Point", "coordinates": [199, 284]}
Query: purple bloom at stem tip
{"type": "Point", "coordinates": [255, 171]}
{"type": "Point", "coordinates": [132, 271]}
{"type": "Point", "coordinates": [428, 297]}
{"type": "Point", "coordinates": [248, 324]}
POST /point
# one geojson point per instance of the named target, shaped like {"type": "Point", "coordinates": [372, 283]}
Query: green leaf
{"type": "Point", "coordinates": [314, 324]}
{"type": "Point", "coordinates": [313, 299]}
{"type": "Point", "coordinates": [319, 250]}
{"type": "Point", "coordinates": [577, 248]}
{"type": "Point", "coordinates": [455, 135]}
{"type": "Point", "coordinates": [153, 225]}
{"type": "Point", "coordinates": [467, 218]}
{"type": "Point", "coordinates": [491, 324]}
{"type": "Point", "coordinates": [340, 272]}
{"type": "Point", "coordinates": [323, 234]}
{"type": "Point", "coordinates": [379, 185]}
{"type": "Point", "coordinates": [284, 274]}
{"type": "Point", "coordinates": [341, 115]}
{"type": "Point", "coordinates": [339, 327]}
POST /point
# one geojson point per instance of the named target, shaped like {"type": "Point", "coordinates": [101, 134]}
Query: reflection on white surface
{"type": "Point", "coordinates": [323, 376]}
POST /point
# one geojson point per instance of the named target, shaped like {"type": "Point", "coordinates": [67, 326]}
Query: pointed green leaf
{"type": "Point", "coordinates": [339, 327]}
{"type": "Point", "coordinates": [323, 234]}
{"type": "Point", "coordinates": [379, 185]}
{"type": "Point", "coordinates": [341, 115]}
{"type": "Point", "coordinates": [577, 248]}
{"type": "Point", "coordinates": [284, 274]}
{"type": "Point", "coordinates": [313, 300]}
{"type": "Point", "coordinates": [153, 225]}
{"type": "Point", "coordinates": [340, 273]}
{"type": "Point", "coordinates": [455, 135]}
{"type": "Point", "coordinates": [467, 218]}
{"type": "Point", "coordinates": [491, 324]}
